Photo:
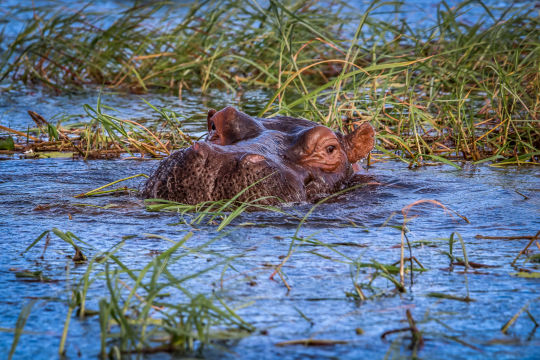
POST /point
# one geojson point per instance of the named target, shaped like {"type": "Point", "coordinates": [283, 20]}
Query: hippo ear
{"type": "Point", "coordinates": [360, 142]}
{"type": "Point", "coordinates": [211, 113]}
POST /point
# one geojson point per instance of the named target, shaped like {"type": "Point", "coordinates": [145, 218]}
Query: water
{"type": "Point", "coordinates": [37, 195]}
{"type": "Point", "coordinates": [68, 109]}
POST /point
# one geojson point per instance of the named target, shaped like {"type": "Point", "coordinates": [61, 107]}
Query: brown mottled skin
{"type": "Point", "coordinates": [300, 159]}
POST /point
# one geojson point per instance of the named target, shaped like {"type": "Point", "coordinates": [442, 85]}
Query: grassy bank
{"type": "Point", "coordinates": [446, 90]}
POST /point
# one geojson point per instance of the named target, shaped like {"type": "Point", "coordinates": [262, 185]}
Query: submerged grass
{"type": "Point", "coordinates": [457, 88]}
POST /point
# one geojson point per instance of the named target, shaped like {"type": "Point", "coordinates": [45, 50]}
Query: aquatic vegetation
{"type": "Point", "coordinates": [100, 190]}
{"type": "Point", "coordinates": [104, 136]}
{"type": "Point", "coordinates": [135, 316]}
{"type": "Point", "coordinates": [452, 90]}
{"type": "Point", "coordinates": [514, 318]}
{"type": "Point", "coordinates": [211, 212]}
{"type": "Point", "coordinates": [380, 269]}
{"type": "Point", "coordinates": [143, 316]}
{"type": "Point", "coordinates": [19, 326]}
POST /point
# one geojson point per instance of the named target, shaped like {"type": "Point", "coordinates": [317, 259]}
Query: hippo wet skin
{"type": "Point", "coordinates": [298, 160]}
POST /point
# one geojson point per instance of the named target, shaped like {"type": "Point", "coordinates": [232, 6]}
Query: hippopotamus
{"type": "Point", "coordinates": [272, 160]}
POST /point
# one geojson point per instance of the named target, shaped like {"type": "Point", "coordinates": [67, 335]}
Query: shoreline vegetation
{"type": "Point", "coordinates": [449, 92]}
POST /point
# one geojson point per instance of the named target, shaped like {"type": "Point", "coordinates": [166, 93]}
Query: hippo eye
{"type": "Point", "coordinates": [330, 149]}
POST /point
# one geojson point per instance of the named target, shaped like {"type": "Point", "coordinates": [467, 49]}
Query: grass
{"type": "Point", "coordinates": [99, 191]}
{"type": "Point", "coordinates": [221, 212]}
{"type": "Point", "coordinates": [226, 210]}
{"type": "Point", "coordinates": [104, 136]}
{"type": "Point", "coordinates": [138, 321]}
{"type": "Point", "coordinates": [19, 326]}
{"type": "Point", "coordinates": [139, 313]}
{"type": "Point", "coordinates": [452, 90]}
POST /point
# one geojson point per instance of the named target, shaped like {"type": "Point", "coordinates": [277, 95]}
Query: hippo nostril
{"type": "Point", "coordinates": [200, 150]}
{"type": "Point", "coordinates": [308, 179]}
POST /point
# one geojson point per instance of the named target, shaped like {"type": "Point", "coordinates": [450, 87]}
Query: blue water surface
{"type": "Point", "coordinates": [363, 226]}
{"type": "Point", "coordinates": [37, 195]}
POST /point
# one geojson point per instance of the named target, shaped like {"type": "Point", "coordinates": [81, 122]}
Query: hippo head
{"type": "Point", "coordinates": [287, 159]}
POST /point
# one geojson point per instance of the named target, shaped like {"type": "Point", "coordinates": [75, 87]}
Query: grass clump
{"type": "Point", "coordinates": [137, 313]}
{"type": "Point", "coordinates": [106, 135]}
{"type": "Point", "coordinates": [159, 46]}
{"type": "Point", "coordinates": [462, 87]}
{"type": "Point", "coordinates": [150, 309]}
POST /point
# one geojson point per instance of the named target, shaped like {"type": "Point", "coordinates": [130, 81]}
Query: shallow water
{"type": "Point", "coordinates": [419, 13]}
{"type": "Point", "coordinates": [37, 195]}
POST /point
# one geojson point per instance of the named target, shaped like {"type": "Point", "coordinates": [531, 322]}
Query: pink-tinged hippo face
{"type": "Point", "coordinates": [298, 160]}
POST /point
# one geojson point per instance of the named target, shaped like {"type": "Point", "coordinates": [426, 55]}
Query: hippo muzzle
{"type": "Point", "coordinates": [273, 160]}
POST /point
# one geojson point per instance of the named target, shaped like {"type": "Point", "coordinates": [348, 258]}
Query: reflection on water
{"type": "Point", "coordinates": [36, 195]}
